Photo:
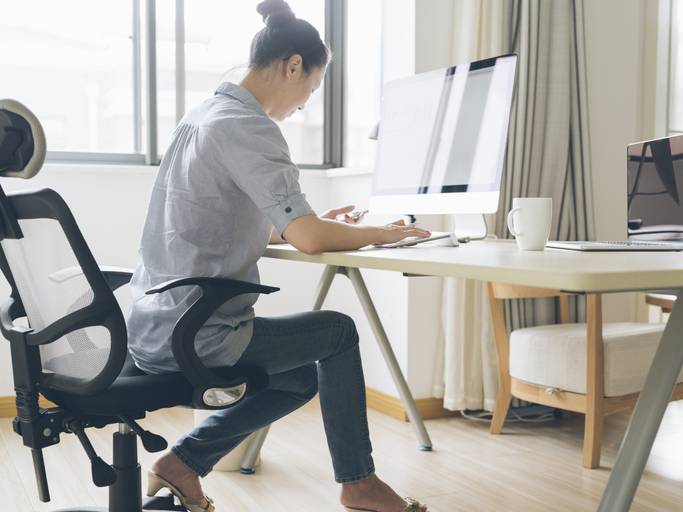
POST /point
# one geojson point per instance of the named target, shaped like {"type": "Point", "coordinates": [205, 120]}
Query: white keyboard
{"type": "Point", "coordinates": [444, 239]}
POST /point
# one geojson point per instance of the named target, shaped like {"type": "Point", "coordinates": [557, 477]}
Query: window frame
{"type": "Point", "coordinates": [333, 119]}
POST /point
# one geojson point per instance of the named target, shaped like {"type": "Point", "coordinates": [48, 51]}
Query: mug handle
{"type": "Point", "coordinates": [511, 222]}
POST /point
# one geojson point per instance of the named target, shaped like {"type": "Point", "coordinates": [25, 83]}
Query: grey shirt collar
{"type": "Point", "coordinates": [241, 94]}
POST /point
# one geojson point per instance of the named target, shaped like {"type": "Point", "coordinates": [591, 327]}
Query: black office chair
{"type": "Point", "coordinates": [73, 346]}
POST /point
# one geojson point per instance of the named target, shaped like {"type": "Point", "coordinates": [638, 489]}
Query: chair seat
{"type": "Point", "coordinates": [135, 391]}
{"type": "Point", "coordinates": [554, 356]}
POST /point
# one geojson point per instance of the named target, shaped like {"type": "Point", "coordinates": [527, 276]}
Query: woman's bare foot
{"type": "Point", "coordinates": [372, 494]}
{"type": "Point", "coordinates": [170, 468]}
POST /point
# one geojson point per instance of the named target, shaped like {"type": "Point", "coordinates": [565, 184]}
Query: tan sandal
{"type": "Point", "coordinates": [155, 483]}
{"type": "Point", "coordinates": [412, 506]}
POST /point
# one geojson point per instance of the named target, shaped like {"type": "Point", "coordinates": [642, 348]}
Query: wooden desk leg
{"type": "Point", "coordinates": [390, 358]}
{"type": "Point", "coordinates": [647, 416]}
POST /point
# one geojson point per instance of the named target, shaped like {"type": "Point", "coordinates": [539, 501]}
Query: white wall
{"type": "Point", "coordinates": [616, 56]}
{"type": "Point", "coordinates": [613, 51]}
{"type": "Point", "coordinates": [433, 35]}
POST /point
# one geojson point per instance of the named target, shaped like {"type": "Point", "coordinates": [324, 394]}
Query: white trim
{"type": "Point", "coordinates": [349, 171]}
{"type": "Point", "coordinates": [100, 168]}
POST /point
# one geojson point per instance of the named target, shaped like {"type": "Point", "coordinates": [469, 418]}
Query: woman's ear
{"type": "Point", "coordinates": [294, 66]}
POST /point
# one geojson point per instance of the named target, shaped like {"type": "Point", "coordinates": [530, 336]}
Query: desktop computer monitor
{"type": "Point", "coordinates": [442, 139]}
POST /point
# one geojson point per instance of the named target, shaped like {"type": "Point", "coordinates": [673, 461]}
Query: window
{"type": "Point", "coordinates": [217, 37]}
{"type": "Point", "coordinates": [74, 71]}
{"type": "Point", "coordinates": [362, 81]}
{"type": "Point", "coordinates": [85, 69]}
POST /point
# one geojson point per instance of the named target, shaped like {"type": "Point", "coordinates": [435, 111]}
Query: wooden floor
{"type": "Point", "coordinates": [531, 467]}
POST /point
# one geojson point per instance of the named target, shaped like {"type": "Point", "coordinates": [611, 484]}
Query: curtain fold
{"type": "Point", "coordinates": [547, 156]}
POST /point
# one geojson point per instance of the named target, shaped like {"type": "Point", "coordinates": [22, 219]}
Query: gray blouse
{"type": "Point", "coordinates": [225, 181]}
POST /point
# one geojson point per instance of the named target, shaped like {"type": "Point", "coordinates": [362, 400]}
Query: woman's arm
{"type": "Point", "coordinates": [332, 214]}
{"type": "Point", "coordinates": [313, 235]}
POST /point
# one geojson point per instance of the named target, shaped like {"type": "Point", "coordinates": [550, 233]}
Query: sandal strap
{"type": "Point", "coordinates": [205, 503]}
{"type": "Point", "coordinates": [196, 501]}
{"type": "Point", "coordinates": [413, 505]}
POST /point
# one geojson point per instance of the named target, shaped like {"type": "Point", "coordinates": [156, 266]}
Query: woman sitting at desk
{"type": "Point", "coordinates": [225, 189]}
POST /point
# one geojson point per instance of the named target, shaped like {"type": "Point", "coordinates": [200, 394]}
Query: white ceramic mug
{"type": "Point", "coordinates": [529, 220]}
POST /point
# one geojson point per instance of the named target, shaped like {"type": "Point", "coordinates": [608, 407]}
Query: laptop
{"type": "Point", "coordinates": [654, 193]}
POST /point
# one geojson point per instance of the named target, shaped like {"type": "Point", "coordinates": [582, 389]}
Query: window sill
{"type": "Point", "coordinates": [349, 171]}
{"type": "Point", "coordinates": [100, 168]}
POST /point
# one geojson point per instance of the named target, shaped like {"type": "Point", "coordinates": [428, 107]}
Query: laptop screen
{"type": "Point", "coordinates": [655, 189]}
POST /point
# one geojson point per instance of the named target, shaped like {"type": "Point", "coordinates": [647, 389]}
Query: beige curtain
{"type": "Point", "coordinates": [547, 156]}
{"type": "Point", "coordinates": [466, 377]}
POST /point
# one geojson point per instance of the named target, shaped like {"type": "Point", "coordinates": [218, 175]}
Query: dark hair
{"type": "Point", "coordinates": [286, 35]}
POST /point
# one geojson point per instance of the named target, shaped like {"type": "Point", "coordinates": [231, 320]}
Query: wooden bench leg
{"type": "Point", "coordinates": [595, 384]}
{"type": "Point", "coordinates": [503, 353]}
{"type": "Point", "coordinates": [502, 406]}
{"type": "Point", "coordinates": [592, 440]}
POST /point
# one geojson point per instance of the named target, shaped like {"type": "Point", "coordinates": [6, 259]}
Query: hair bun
{"type": "Point", "coordinates": [275, 12]}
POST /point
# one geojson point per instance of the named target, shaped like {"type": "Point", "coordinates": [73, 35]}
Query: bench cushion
{"type": "Point", "coordinates": [554, 356]}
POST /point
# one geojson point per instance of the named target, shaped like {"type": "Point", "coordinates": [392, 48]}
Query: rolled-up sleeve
{"type": "Point", "coordinates": [258, 159]}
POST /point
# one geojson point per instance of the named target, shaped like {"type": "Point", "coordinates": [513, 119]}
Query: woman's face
{"type": "Point", "coordinates": [296, 90]}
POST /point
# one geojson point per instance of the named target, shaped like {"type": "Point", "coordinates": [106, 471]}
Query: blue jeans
{"type": "Point", "coordinates": [287, 348]}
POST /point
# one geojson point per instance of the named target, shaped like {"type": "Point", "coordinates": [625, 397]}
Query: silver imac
{"type": "Point", "coordinates": [442, 139]}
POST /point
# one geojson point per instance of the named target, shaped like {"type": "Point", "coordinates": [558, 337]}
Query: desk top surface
{"type": "Point", "coordinates": [500, 260]}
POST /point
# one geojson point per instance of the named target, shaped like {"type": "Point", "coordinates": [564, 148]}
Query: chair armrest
{"type": "Point", "coordinates": [117, 276]}
{"type": "Point", "coordinates": [10, 310]}
{"type": "Point", "coordinates": [209, 386]}
{"type": "Point", "coordinates": [213, 282]}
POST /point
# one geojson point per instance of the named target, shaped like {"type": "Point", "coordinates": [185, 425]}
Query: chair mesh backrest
{"type": "Point", "coordinates": [51, 284]}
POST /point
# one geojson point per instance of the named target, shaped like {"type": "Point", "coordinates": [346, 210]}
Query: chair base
{"type": "Point", "coordinates": [90, 509]}
{"type": "Point", "coordinates": [156, 503]}
{"type": "Point", "coordinates": [125, 494]}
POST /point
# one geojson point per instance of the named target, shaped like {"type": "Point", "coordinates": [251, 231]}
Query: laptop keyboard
{"type": "Point", "coordinates": [617, 245]}
{"type": "Point", "coordinates": [632, 243]}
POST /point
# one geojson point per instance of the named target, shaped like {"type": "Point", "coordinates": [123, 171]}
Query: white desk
{"type": "Point", "coordinates": [553, 268]}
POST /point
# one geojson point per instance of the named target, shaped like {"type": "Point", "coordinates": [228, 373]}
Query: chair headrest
{"type": "Point", "coordinates": [22, 141]}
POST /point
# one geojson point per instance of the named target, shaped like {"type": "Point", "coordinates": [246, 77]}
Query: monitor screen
{"type": "Point", "coordinates": [655, 189]}
{"type": "Point", "coordinates": [442, 139]}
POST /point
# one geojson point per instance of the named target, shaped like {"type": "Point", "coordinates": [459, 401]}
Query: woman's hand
{"type": "Point", "coordinates": [397, 231]}
{"type": "Point", "coordinates": [334, 213]}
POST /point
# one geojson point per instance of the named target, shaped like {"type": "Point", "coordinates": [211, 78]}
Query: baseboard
{"type": "Point", "coordinates": [429, 408]}
{"type": "Point", "coordinates": [8, 408]}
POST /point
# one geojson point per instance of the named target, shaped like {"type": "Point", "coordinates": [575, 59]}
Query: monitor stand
{"type": "Point", "coordinates": [472, 225]}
